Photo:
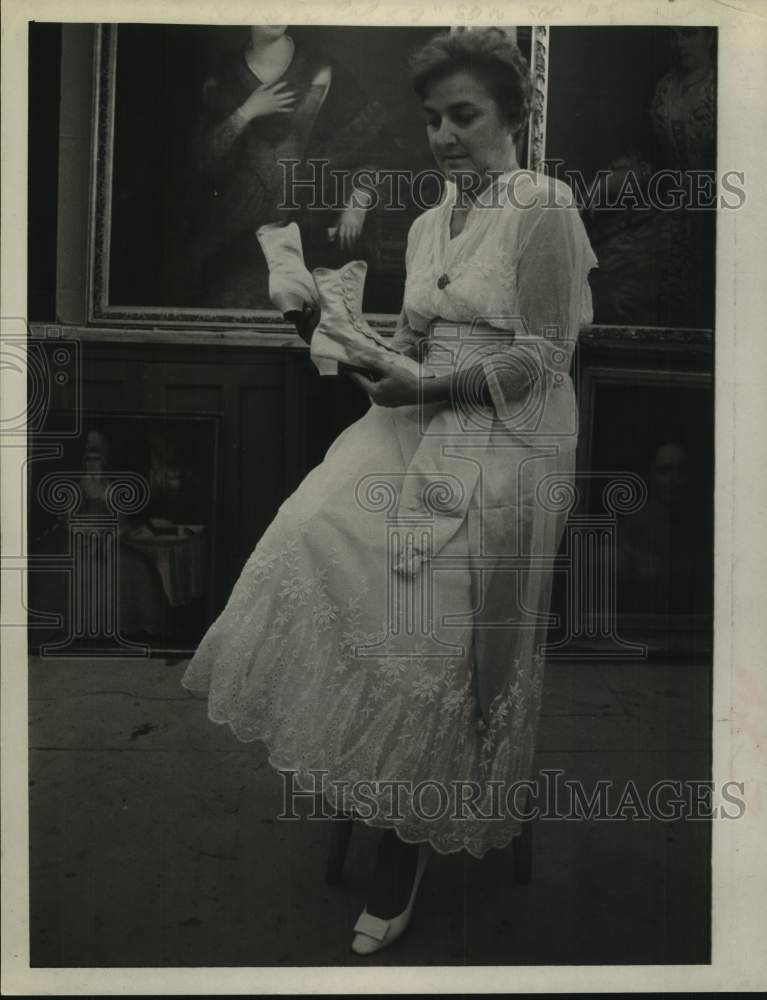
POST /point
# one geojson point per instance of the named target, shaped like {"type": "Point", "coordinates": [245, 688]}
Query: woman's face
{"type": "Point", "coordinates": [96, 452]}
{"type": "Point", "coordinates": [268, 32]}
{"type": "Point", "coordinates": [669, 475]}
{"type": "Point", "coordinates": [694, 47]}
{"type": "Point", "coordinates": [466, 132]}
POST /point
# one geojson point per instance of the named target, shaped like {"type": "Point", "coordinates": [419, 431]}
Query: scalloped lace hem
{"type": "Point", "coordinates": [406, 834]}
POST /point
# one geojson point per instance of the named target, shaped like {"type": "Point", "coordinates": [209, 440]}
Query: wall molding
{"type": "Point", "coordinates": [281, 336]}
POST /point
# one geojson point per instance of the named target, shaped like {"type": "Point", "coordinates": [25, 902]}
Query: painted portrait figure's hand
{"type": "Point", "coordinates": [268, 99]}
{"type": "Point", "coordinates": [350, 226]}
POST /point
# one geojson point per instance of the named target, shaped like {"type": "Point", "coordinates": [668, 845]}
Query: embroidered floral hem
{"type": "Point", "coordinates": [313, 656]}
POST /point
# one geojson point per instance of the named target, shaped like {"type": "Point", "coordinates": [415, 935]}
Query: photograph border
{"type": "Point", "coordinates": [739, 924]}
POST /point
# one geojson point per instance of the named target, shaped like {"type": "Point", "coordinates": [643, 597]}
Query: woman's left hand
{"type": "Point", "coordinates": [392, 386]}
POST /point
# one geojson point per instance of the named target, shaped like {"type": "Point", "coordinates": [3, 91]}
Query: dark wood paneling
{"type": "Point", "coordinates": [193, 398]}
{"type": "Point", "coordinates": [259, 451]}
{"type": "Point", "coordinates": [111, 394]}
{"type": "Point", "coordinates": [277, 417]}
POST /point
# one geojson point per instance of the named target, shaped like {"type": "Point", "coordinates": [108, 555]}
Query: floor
{"type": "Point", "coordinates": [154, 843]}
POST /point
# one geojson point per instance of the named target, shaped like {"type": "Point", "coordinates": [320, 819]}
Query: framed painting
{"type": "Point", "coordinates": [192, 155]}
{"type": "Point", "coordinates": [649, 452]}
{"type": "Point", "coordinates": [631, 126]}
{"type": "Point", "coordinates": [122, 533]}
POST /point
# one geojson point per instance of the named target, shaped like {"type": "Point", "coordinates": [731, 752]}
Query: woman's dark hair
{"type": "Point", "coordinates": [490, 56]}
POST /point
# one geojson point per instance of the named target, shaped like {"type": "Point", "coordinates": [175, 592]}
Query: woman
{"type": "Point", "coordinates": [275, 101]}
{"type": "Point", "coordinates": [324, 650]}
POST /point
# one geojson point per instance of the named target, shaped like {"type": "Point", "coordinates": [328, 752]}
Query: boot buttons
{"type": "Point", "coordinates": [351, 309]}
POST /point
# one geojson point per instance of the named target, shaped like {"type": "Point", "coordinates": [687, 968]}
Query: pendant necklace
{"type": "Point", "coordinates": [444, 279]}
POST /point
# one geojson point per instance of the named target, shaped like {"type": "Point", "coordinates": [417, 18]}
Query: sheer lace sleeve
{"type": "Point", "coordinates": [406, 338]}
{"type": "Point", "coordinates": [553, 302]}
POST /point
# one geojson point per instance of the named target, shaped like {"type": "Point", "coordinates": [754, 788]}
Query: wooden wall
{"type": "Point", "coordinates": [277, 418]}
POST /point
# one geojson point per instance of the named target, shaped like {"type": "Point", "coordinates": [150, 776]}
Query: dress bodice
{"type": "Point", "coordinates": [479, 274]}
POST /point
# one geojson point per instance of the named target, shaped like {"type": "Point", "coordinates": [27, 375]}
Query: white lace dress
{"type": "Point", "coordinates": [414, 696]}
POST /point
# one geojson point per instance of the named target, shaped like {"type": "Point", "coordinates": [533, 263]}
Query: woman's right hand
{"type": "Point", "coordinates": [268, 99]}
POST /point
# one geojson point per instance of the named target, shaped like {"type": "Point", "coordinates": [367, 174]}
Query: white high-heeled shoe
{"type": "Point", "coordinates": [291, 287]}
{"type": "Point", "coordinates": [372, 933]}
{"type": "Point", "coordinates": [342, 334]}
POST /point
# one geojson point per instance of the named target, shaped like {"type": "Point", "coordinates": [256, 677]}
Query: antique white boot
{"type": "Point", "coordinates": [342, 335]}
{"type": "Point", "coordinates": [291, 287]}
